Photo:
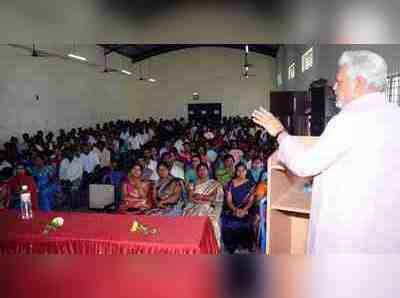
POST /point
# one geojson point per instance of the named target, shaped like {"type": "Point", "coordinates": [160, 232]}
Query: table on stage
{"type": "Point", "coordinates": [105, 234]}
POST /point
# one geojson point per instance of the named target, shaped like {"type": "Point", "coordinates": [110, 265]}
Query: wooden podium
{"type": "Point", "coordinates": [288, 208]}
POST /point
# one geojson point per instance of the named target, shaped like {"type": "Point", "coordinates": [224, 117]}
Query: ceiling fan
{"type": "Point", "coordinates": [245, 70]}
{"type": "Point", "coordinates": [34, 51]}
{"type": "Point", "coordinates": [106, 68]}
{"type": "Point", "coordinates": [144, 79]}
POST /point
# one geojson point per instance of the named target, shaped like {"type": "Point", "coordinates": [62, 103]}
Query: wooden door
{"type": "Point", "coordinates": [290, 107]}
{"type": "Point", "coordinates": [205, 112]}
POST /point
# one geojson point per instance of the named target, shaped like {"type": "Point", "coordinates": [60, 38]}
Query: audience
{"type": "Point", "coordinates": [164, 167]}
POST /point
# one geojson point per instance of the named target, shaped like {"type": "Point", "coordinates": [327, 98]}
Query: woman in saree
{"type": "Point", "coordinates": [167, 193]}
{"type": "Point", "coordinates": [237, 217]}
{"type": "Point", "coordinates": [136, 193]}
{"type": "Point", "coordinates": [44, 175]}
{"type": "Point", "coordinates": [205, 198]}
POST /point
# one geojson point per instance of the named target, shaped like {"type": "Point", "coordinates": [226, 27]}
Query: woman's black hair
{"type": "Point", "coordinates": [256, 157]}
{"type": "Point", "coordinates": [164, 164]}
{"type": "Point", "coordinates": [202, 164]}
{"type": "Point", "coordinates": [240, 164]}
{"type": "Point", "coordinates": [41, 156]}
{"type": "Point", "coordinates": [164, 155]}
{"type": "Point", "coordinates": [196, 156]}
{"type": "Point", "coordinates": [229, 156]}
{"type": "Point", "coordinates": [136, 164]}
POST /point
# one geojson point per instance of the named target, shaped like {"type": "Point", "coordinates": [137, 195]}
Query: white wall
{"type": "Point", "coordinates": [325, 65]}
{"type": "Point", "coordinates": [330, 54]}
{"type": "Point", "coordinates": [213, 72]}
{"type": "Point", "coordinates": [74, 94]}
{"type": "Point", "coordinates": [325, 62]}
{"type": "Point", "coordinates": [292, 53]}
{"type": "Point", "coordinates": [70, 94]}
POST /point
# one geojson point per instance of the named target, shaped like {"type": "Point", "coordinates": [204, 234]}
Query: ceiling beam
{"type": "Point", "coordinates": [157, 51]}
{"type": "Point", "coordinates": [112, 48]}
{"type": "Point", "coordinates": [124, 49]}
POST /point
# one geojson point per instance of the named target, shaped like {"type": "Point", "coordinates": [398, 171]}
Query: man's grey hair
{"type": "Point", "coordinates": [368, 65]}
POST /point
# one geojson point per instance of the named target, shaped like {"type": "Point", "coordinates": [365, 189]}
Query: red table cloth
{"type": "Point", "coordinates": [105, 234]}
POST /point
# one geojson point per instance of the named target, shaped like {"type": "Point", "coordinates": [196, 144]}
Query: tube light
{"type": "Point", "coordinates": [77, 57]}
{"type": "Point", "coordinates": [126, 72]}
{"type": "Point", "coordinates": [152, 80]}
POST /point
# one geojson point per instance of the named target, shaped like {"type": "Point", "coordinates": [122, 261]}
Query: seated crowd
{"type": "Point", "coordinates": [171, 168]}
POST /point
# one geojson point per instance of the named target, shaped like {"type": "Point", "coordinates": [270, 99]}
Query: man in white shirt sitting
{"type": "Point", "coordinates": [70, 174]}
{"type": "Point", "coordinates": [150, 164]}
{"type": "Point", "coordinates": [71, 168]}
{"type": "Point", "coordinates": [91, 166]}
{"type": "Point", "coordinates": [143, 138]}
{"type": "Point", "coordinates": [103, 154]}
{"type": "Point", "coordinates": [125, 135]}
{"type": "Point", "coordinates": [134, 142]}
{"type": "Point", "coordinates": [89, 159]}
{"type": "Point", "coordinates": [151, 133]}
{"type": "Point", "coordinates": [177, 168]}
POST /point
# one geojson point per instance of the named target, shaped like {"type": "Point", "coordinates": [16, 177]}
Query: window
{"type": "Point", "coordinates": [279, 79]}
{"type": "Point", "coordinates": [307, 60]}
{"type": "Point", "coordinates": [292, 71]}
{"type": "Point", "coordinates": [393, 89]}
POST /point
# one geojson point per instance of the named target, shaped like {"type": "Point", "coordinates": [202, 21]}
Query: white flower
{"type": "Point", "coordinates": [57, 222]}
{"type": "Point", "coordinates": [135, 226]}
